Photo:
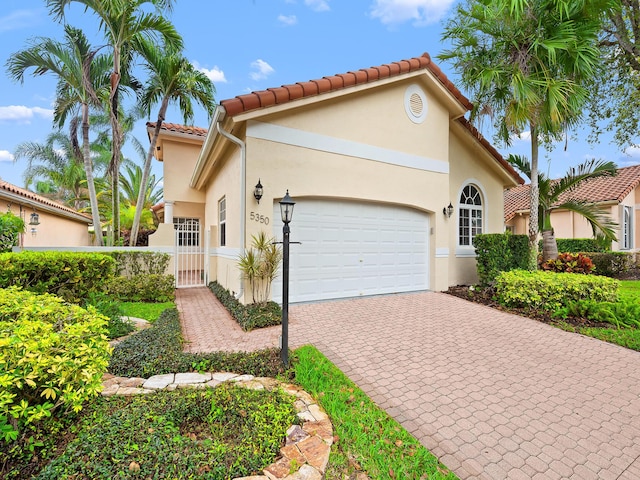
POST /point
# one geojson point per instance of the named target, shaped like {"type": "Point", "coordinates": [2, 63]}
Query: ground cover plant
{"type": "Point", "coordinates": [255, 315]}
{"type": "Point", "coordinates": [218, 433]}
{"type": "Point", "coordinates": [367, 438]}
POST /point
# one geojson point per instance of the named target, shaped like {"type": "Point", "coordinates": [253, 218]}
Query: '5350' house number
{"type": "Point", "coordinates": [259, 218]}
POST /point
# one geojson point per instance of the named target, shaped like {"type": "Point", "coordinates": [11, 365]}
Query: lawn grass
{"type": "Point", "coordinates": [368, 439]}
{"type": "Point", "coordinates": [629, 289]}
{"type": "Point", "coordinates": [145, 310]}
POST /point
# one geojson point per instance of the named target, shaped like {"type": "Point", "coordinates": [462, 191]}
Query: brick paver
{"type": "Point", "coordinates": [493, 395]}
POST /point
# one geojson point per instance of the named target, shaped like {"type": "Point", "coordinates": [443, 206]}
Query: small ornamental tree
{"type": "Point", "coordinates": [10, 227]}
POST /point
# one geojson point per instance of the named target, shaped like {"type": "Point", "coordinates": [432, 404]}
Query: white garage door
{"type": "Point", "coordinates": [351, 249]}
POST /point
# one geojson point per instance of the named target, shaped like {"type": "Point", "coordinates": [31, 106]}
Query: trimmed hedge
{"type": "Point", "coordinates": [499, 252]}
{"type": "Point", "coordinates": [52, 355]}
{"type": "Point", "coordinates": [158, 350]}
{"type": "Point", "coordinates": [133, 263]}
{"type": "Point", "coordinates": [550, 291]}
{"type": "Point", "coordinates": [579, 245]}
{"type": "Point", "coordinates": [611, 264]}
{"type": "Point", "coordinates": [70, 275]}
{"type": "Point", "coordinates": [248, 316]}
{"type": "Point", "coordinates": [142, 288]}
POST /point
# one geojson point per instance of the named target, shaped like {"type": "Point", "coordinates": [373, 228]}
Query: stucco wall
{"type": "Point", "coordinates": [53, 231]}
{"type": "Point", "coordinates": [177, 171]}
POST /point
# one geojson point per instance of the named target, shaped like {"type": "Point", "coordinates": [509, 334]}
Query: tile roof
{"type": "Point", "coordinates": [11, 188]}
{"type": "Point", "coordinates": [288, 93]}
{"type": "Point", "coordinates": [603, 189]}
{"type": "Point", "coordinates": [177, 128]}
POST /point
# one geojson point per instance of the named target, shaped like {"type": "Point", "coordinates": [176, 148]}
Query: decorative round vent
{"type": "Point", "coordinates": [415, 104]}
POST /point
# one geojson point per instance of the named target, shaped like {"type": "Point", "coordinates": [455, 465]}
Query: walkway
{"type": "Point", "coordinates": [493, 395]}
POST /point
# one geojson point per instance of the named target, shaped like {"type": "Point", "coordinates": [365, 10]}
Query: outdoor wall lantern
{"type": "Point", "coordinates": [286, 211]}
{"type": "Point", "coordinates": [35, 219]}
{"type": "Point", "coordinates": [257, 192]}
{"type": "Point", "coordinates": [448, 211]}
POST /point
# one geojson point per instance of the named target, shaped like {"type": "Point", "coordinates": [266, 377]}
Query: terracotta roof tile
{"type": "Point", "coordinates": [603, 189]}
{"type": "Point", "coordinates": [175, 127]}
{"type": "Point", "coordinates": [255, 100]}
{"type": "Point", "coordinates": [11, 188]}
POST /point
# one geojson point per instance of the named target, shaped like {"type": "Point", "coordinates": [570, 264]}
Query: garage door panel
{"type": "Point", "coordinates": [350, 249]}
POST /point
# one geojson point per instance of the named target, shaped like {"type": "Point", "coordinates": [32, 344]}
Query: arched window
{"type": "Point", "coordinates": [470, 218]}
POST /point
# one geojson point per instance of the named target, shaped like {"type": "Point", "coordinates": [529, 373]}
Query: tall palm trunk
{"type": "Point", "coordinates": [549, 245]}
{"type": "Point", "coordinates": [535, 201]}
{"type": "Point", "coordinates": [146, 171]}
{"type": "Point", "coordinates": [88, 170]}
{"type": "Point", "coordinates": [116, 146]}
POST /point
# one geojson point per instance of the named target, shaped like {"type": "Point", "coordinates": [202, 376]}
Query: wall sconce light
{"type": "Point", "coordinates": [448, 211]}
{"type": "Point", "coordinates": [35, 219]}
{"type": "Point", "coordinates": [257, 192]}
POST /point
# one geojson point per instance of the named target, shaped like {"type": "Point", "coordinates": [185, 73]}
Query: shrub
{"type": "Point", "coordinates": [158, 350]}
{"type": "Point", "coordinates": [248, 316]}
{"type": "Point", "coordinates": [580, 245]}
{"type": "Point", "coordinates": [117, 325]}
{"type": "Point", "coordinates": [53, 355]}
{"type": "Point", "coordinates": [499, 252]}
{"type": "Point", "coordinates": [611, 264]}
{"type": "Point", "coordinates": [569, 263]}
{"type": "Point", "coordinates": [133, 263]}
{"type": "Point", "coordinates": [550, 291]}
{"type": "Point", "coordinates": [11, 226]}
{"type": "Point", "coordinates": [624, 313]}
{"type": "Point", "coordinates": [142, 288]}
{"type": "Point", "coordinates": [70, 275]}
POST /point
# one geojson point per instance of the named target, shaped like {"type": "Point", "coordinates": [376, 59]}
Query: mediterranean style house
{"type": "Point", "coordinates": [48, 223]}
{"type": "Point", "coordinates": [619, 197]}
{"type": "Point", "coordinates": [391, 183]}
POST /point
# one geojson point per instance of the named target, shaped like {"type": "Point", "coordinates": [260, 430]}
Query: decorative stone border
{"type": "Point", "coordinates": [307, 447]}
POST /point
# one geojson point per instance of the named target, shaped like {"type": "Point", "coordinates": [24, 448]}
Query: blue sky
{"type": "Point", "coordinates": [246, 45]}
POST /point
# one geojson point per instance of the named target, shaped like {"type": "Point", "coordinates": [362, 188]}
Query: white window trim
{"type": "Point", "coordinates": [222, 222]}
{"type": "Point", "coordinates": [627, 228]}
{"type": "Point", "coordinates": [469, 251]}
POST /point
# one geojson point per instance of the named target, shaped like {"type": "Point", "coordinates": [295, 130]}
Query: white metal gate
{"type": "Point", "coordinates": [189, 255]}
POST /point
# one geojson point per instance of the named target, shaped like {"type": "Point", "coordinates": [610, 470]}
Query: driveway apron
{"type": "Point", "coordinates": [492, 395]}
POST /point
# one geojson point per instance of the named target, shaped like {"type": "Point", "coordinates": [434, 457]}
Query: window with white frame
{"type": "Point", "coordinates": [470, 215]}
{"type": "Point", "coordinates": [222, 220]}
{"type": "Point", "coordinates": [188, 231]}
{"type": "Point", "coordinates": [627, 228]}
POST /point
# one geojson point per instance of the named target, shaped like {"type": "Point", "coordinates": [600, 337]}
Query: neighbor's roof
{"type": "Point", "coordinates": [177, 128]}
{"type": "Point", "coordinates": [603, 189]}
{"type": "Point", "coordinates": [296, 91]}
{"type": "Point", "coordinates": [9, 188]}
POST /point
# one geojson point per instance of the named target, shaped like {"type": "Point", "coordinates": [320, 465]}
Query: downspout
{"type": "Point", "coordinates": [243, 191]}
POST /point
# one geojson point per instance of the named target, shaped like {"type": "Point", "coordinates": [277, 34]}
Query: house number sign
{"type": "Point", "coordinates": [255, 217]}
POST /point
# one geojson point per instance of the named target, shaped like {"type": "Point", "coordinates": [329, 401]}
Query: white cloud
{"type": "Point", "coordinates": [318, 5]}
{"type": "Point", "coordinates": [20, 113]}
{"type": "Point", "coordinates": [19, 19]}
{"type": "Point", "coordinates": [263, 70]}
{"type": "Point", "coordinates": [420, 12]}
{"type": "Point", "coordinates": [288, 20]}
{"type": "Point", "coordinates": [633, 151]}
{"type": "Point", "coordinates": [6, 156]}
{"type": "Point", "coordinates": [522, 137]}
{"type": "Point", "coordinates": [215, 74]}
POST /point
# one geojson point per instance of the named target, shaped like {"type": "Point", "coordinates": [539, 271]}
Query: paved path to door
{"type": "Point", "coordinates": [493, 395]}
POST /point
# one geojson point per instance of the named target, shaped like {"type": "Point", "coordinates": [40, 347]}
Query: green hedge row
{"type": "Point", "coordinates": [158, 350]}
{"type": "Point", "coordinates": [580, 245]}
{"type": "Point", "coordinates": [70, 275]}
{"type": "Point", "coordinates": [134, 263]}
{"type": "Point", "coordinates": [52, 355]}
{"type": "Point", "coordinates": [248, 316]}
{"type": "Point", "coordinates": [499, 252]}
{"type": "Point", "coordinates": [142, 288]}
{"type": "Point", "coordinates": [550, 291]}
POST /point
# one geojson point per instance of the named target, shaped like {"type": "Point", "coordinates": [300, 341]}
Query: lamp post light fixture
{"type": "Point", "coordinates": [448, 211]}
{"type": "Point", "coordinates": [257, 192]}
{"type": "Point", "coordinates": [34, 221]}
{"type": "Point", "coordinates": [286, 211]}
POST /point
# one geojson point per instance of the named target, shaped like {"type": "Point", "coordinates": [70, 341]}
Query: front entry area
{"type": "Point", "coordinates": [351, 249]}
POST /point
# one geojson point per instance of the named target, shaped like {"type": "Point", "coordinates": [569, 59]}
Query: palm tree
{"type": "Point", "coordinates": [172, 79]}
{"type": "Point", "coordinates": [53, 170]}
{"type": "Point", "coordinates": [557, 195]}
{"type": "Point", "coordinates": [130, 184]}
{"type": "Point", "coordinates": [526, 62]}
{"type": "Point", "coordinates": [81, 74]}
{"type": "Point", "coordinates": [126, 25]}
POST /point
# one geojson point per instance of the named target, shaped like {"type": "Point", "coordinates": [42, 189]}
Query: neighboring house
{"type": "Point", "coordinates": [619, 196]}
{"type": "Point", "coordinates": [372, 157]}
{"type": "Point", "coordinates": [57, 225]}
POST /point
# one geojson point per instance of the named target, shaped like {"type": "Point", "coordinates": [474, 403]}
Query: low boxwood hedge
{"type": "Point", "coordinates": [158, 350]}
{"type": "Point", "coordinates": [254, 315]}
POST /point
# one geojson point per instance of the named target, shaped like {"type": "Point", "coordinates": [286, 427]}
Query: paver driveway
{"type": "Point", "coordinates": [493, 395]}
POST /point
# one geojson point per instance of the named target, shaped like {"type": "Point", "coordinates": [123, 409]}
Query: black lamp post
{"type": "Point", "coordinates": [286, 211]}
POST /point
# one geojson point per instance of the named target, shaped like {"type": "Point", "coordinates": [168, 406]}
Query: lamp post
{"type": "Point", "coordinates": [286, 211]}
